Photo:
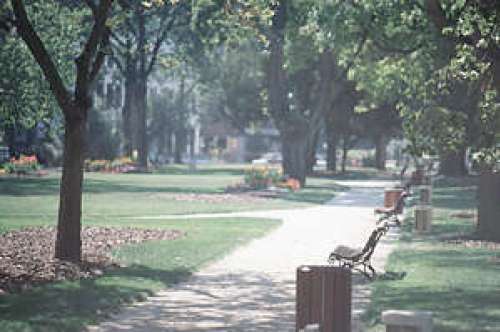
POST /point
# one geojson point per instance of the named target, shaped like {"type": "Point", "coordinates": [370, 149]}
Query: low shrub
{"type": "Point", "coordinates": [119, 165]}
{"type": "Point", "coordinates": [262, 177]}
{"type": "Point", "coordinates": [22, 165]}
{"type": "Point", "coordinates": [99, 165]}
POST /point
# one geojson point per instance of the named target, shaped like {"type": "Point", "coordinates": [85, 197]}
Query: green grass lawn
{"type": "Point", "coordinates": [68, 306]}
{"type": "Point", "coordinates": [460, 285]}
{"type": "Point", "coordinates": [110, 197]}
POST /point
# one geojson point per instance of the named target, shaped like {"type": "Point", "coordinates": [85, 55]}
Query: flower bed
{"type": "Point", "coordinates": [266, 177]}
{"type": "Point", "coordinates": [22, 165]}
{"type": "Point", "coordinates": [119, 165]}
{"type": "Point", "coordinates": [262, 177]}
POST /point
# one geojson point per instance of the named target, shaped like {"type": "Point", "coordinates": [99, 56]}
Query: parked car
{"type": "Point", "coordinates": [268, 158]}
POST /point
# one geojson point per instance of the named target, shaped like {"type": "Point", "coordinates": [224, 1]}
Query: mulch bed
{"type": "Point", "coordinates": [27, 255]}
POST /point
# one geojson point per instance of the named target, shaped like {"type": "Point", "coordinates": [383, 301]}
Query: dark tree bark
{"type": "Point", "coordinates": [331, 151]}
{"type": "Point", "coordinates": [68, 244]}
{"type": "Point", "coordinates": [380, 151]}
{"type": "Point", "coordinates": [345, 151]}
{"type": "Point", "coordinates": [127, 117]}
{"type": "Point", "coordinates": [129, 71]}
{"type": "Point", "coordinates": [488, 225]}
{"type": "Point", "coordinates": [75, 109]}
{"type": "Point", "coordinates": [180, 145]}
{"type": "Point", "coordinates": [311, 151]}
{"type": "Point", "coordinates": [142, 90]}
{"type": "Point", "coordinates": [453, 163]}
{"type": "Point", "coordinates": [142, 133]}
{"type": "Point", "coordinates": [180, 131]}
{"type": "Point", "coordinates": [294, 151]}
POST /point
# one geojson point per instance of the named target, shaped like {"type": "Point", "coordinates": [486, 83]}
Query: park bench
{"type": "Point", "coordinates": [391, 213]}
{"type": "Point", "coordinates": [359, 260]}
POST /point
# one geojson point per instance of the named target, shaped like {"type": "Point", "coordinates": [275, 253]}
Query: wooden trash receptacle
{"type": "Point", "coordinates": [425, 193]}
{"type": "Point", "coordinates": [323, 298]}
{"type": "Point", "coordinates": [423, 218]}
{"type": "Point", "coordinates": [391, 197]}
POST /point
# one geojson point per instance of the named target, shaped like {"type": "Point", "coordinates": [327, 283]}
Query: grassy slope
{"type": "Point", "coordinates": [460, 285]}
{"type": "Point", "coordinates": [69, 306]}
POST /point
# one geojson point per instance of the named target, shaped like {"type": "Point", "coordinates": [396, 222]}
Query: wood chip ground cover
{"type": "Point", "coordinates": [27, 255]}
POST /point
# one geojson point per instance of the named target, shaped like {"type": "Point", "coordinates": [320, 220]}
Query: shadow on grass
{"type": "Point", "coordinates": [69, 306]}
{"type": "Point", "coordinates": [315, 194]}
{"type": "Point", "coordinates": [456, 182]}
{"type": "Point", "coordinates": [50, 186]}
{"type": "Point", "coordinates": [452, 292]}
{"type": "Point", "coordinates": [29, 186]}
{"type": "Point", "coordinates": [463, 310]}
{"type": "Point", "coordinates": [455, 198]}
{"type": "Point", "coordinates": [458, 284]}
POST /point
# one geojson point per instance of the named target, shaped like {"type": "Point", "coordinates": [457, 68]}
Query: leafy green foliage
{"type": "Point", "coordinates": [25, 96]}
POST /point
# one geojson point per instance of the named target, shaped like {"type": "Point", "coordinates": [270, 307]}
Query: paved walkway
{"type": "Point", "coordinates": [252, 289]}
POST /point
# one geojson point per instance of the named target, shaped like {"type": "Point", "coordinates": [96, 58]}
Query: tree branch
{"type": "Point", "coordinates": [116, 38]}
{"type": "Point", "coordinates": [355, 55]}
{"type": "Point", "coordinates": [436, 13]}
{"type": "Point", "coordinates": [101, 55]}
{"type": "Point", "coordinates": [42, 57]}
{"type": "Point", "coordinates": [159, 41]}
{"type": "Point", "coordinates": [83, 62]}
{"type": "Point", "coordinates": [120, 66]}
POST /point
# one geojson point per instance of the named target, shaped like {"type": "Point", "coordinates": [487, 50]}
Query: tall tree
{"type": "Point", "coordinates": [147, 32]}
{"type": "Point", "coordinates": [75, 106]}
{"type": "Point", "coordinates": [303, 67]}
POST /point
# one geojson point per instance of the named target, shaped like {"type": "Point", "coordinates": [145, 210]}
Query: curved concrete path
{"type": "Point", "coordinates": [253, 288]}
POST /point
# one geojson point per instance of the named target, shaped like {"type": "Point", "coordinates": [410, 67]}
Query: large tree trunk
{"type": "Point", "coordinates": [488, 225]}
{"type": "Point", "coordinates": [380, 151]}
{"type": "Point", "coordinates": [311, 152]}
{"type": "Point", "coordinates": [128, 112]}
{"type": "Point", "coordinates": [453, 163]}
{"type": "Point", "coordinates": [75, 108]}
{"type": "Point", "coordinates": [331, 149]}
{"type": "Point", "coordinates": [294, 151]}
{"type": "Point", "coordinates": [345, 151]}
{"type": "Point", "coordinates": [68, 242]}
{"type": "Point", "coordinates": [180, 127]}
{"type": "Point", "coordinates": [142, 90]}
{"type": "Point", "coordinates": [142, 134]}
{"type": "Point", "coordinates": [180, 144]}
